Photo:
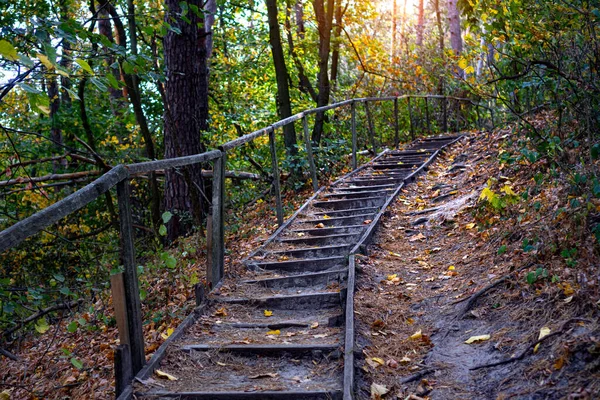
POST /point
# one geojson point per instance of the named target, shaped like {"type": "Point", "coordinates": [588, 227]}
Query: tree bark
{"type": "Point", "coordinates": [324, 14]}
{"type": "Point", "coordinates": [394, 29]}
{"type": "Point", "coordinates": [421, 22]}
{"type": "Point", "coordinates": [303, 82]}
{"type": "Point", "coordinates": [209, 19]}
{"type": "Point", "coordinates": [455, 33]}
{"type": "Point", "coordinates": [284, 107]}
{"type": "Point", "coordinates": [186, 113]}
{"type": "Point", "coordinates": [337, 35]}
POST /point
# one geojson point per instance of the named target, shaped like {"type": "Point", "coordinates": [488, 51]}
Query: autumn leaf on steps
{"type": "Point", "coordinates": [268, 313]}
{"type": "Point", "coordinates": [164, 375]}
{"type": "Point", "coordinates": [165, 335]}
{"type": "Point", "coordinates": [479, 338]}
{"type": "Point", "coordinates": [275, 332]}
{"type": "Point", "coordinates": [378, 391]}
{"type": "Point", "coordinates": [420, 236]}
{"type": "Point", "coordinates": [545, 331]}
{"type": "Point", "coordinates": [221, 312]}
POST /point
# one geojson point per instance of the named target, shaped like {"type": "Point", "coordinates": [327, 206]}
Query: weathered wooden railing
{"type": "Point", "coordinates": [130, 357]}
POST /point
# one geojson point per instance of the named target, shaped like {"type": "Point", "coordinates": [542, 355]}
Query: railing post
{"type": "Point", "coordinates": [427, 115]}
{"type": "Point", "coordinates": [275, 168]}
{"type": "Point", "coordinates": [396, 127]}
{"type": "Point", "coordinates": [445, 114]}
{"type": "Point", "coordinates": [478, 118]}
{"type": "Point", "coordinates": [410, 118]}
{"type": "Point", "coordinates": [456, 115]}
{"type": "Point", "coordinates": [217, 222]}
{"type": "Point", "coordinates": [309, 153]}
{"type": "Point", "coordinates": [354, 138]}
{"type": "Point", "coordinates": [371, 128]}
{"type": "Point", "coordinates": [130, 279]}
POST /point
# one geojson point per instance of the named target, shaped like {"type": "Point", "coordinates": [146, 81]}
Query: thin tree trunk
{"type": "Point", "coordinates": [210, 9]}
{"type": "Point", "coordinates": [186, 114]}
{"type": "Point", "coordinates": [420, 21]}
{"type": "Point", "coordinates": [284, 106]}
{"type": "Point", "coordinates": [455, 32]}
{"type": "Point", "coordinates": [324, 14]}
{"type": "Point", "coordinates": [394, 29]}
{"type": "Point", "coordinates": [303, 82]}
{"type": "Point", "coordinates": [438, 18]}
{"type": "Point", "coordinates": [337, 35]}
{"type": "Point", "coordinates": [299, 8]}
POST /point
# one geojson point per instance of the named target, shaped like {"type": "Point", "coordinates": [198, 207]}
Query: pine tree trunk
{"type": "Point", "coordinates": [186, 114]}
{"type": "Point", "coordinates": [284, 106]}
{"type": "Point", "coordinates": [324, 15]}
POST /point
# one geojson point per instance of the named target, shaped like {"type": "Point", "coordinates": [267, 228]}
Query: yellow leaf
{"type": "Point", "coordinates": [417, 335]}
{"type": "Point", "coordinates": [469, 69]}
{"type": "Point", "coordinates": [392, 277]}
{"type": "Point", "coordinates": [508, 190]}
{"type": "Point", "coordinates": [451, 268]}
{"type": "Point", "coordinates": [221, 312]}
{"type": "Point", "coordinates": [326, 216]}
{"type": "Point", "coordinates": [462, 63]}
{"type": "Point", "coordinates": [314, 325]}
{"type": "Point", "coordinates": [268, 313]}
{"type": "Point", "coordinates": [274, 333]}
{"type": "Point", "coordinates": [165, 335]}
{"type": "Point", "coordinates": [320, 225]}
{"type": "Point", "coordinates": [46, 61]}
{"type": "Point", "coordinates": [479, 338]}
{"type": "Point", "coordinates": [405, 360]}
{"type": "Point", "coordinates": [395, 254]}
{"type": "Point", "coordinates": [378, 360]}
{"type": "Point", "coordinates": [470, 226]}
{"type": "Point", "coordinates": [545, 331]}
{"type": "Point", "coordinates": [164, 375]}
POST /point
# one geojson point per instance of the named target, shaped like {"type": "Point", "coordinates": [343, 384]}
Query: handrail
{"type": "Point", "coordinates": [120, 175]}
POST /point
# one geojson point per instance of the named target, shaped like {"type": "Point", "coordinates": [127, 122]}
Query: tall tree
{"type": "Point", "coordinates": [455, 32]}
{"type": "Point", "coordinates": [324, 14]}
{"type": "Point", "coordinates": [420, 21]}
{"type": "Point", "coordinates": [284, 106]}
{"type": "Point", "coordinates": [186, 111]}
{"type": "Point", "coordinates": [337, 35]}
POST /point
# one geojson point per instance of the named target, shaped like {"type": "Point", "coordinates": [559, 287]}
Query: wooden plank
{"type": "Point", "coordinates": [117, 288]}
{"type": "Point", "coordinates": [396, 124]}
{"type": "Point", "coordinates": [410, 117]}
{"type": "Point", "coordinates": [123, 370]}
{"type": "Point", "coordinates": [288, 120]}
{"type": "Point", "coordinates": [354, 137]}
{"type": "Point", "coordinates": [217, 249]}
{"type": "Point", "coordinates": [132, 293]}
{"type": "Point", "coordinates": [349, 332]}
{"type": "Point", "coordinates": [150, 166]}
{"type": "Point", "coordinates": [276, 183]}
{"type": "Point", "coordinates": [309, 153]}
{"type": "Point", "coordinates": [20, 231]}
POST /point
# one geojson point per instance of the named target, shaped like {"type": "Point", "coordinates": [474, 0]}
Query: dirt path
{"type": "Point", "coordinates": [414, 303]}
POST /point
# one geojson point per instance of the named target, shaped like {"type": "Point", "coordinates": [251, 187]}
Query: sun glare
{"type": "Point", "coordinates": [406, 7]}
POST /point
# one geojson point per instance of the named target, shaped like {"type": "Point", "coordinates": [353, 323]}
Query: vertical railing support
{"type": "Point", "coordinates": [309, 153]}
{"type": "Point", "coordinates": [396, 126]}
{"type": "Point", "coordinates": [427, 115]}
{"type": "Point", "coordinates": [371, 128]}
{"type": "Point", "coordinates": [275, 169]}
{"type": "Point", "coordinates": [354, 137]}
{"type": "Point", "coordinates": [445, 114]}
{"type": "Point", "coordinates": [130, 279]}
{"type": "Point", "coordinates": [410, 117]}
{"type": "Point", "coordinates": [478, 118]}
{"type": "Point", "coordinates": [456, 116]}
{"type": "Point", "coordinates": [217, 222]}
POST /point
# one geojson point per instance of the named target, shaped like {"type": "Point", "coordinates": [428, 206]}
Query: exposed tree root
{"type": "Point", "coordinates": [529, 348]}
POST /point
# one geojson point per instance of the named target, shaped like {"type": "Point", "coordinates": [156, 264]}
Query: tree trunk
{"type": "Point", "coordinates": [455, 34]}
{"type": "Point", "coordinates": [209, 19]}
{"type": "Point", "coordinates": [324, 15]}
{"type": "Point", "coordinates": [337, 35]}
{"type": "Point", "coordinates": [186, 114]}
{"type": "Point", "coordinates": [421, 22]}
{"type": "Point", "coordinates": [284, 107]}
{"type": "Point", "coordinates": [299, 8]}
{"type": "Point", "coordinates": [394, 29]}
{"type": "Point", "coordinates": [438, 18]}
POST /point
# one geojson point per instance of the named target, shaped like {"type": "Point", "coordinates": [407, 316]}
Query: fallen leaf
{"type": "Point", "coordinates": [378, 324]}
{"type": "Point", "coordinates": [221, 364]}
{"type": "Point", "coordinates": [479, 338]}
{"type": "Point", "coordinates": [405, 360]}
{"type": "Point", "coordinates": [420, 236]}
{"type": "Point", "coordinates": [300, 234]}
{"type": "Point", "coordinates": [265, 375]}
{"type": "Point", "coordinates": [367, 221]}
{"type": "Point", "coordinates": [392, 277]}
{"type": "Point", "coordinates": [326, 216]}
{"type": "Point", "coordinates": [417, 335]}
{"type": "Point", "coordinates": [165, 335]}
{"type": "Point", "coordinates": [314, 325]}
{"type": "Point", "coordinates": [395, 254]}
{"type": "Point", "coordinates": [268, 313]}
{"type": "Point", "coordinates": [392, 363]}
{"type": "Point", "coordinates": [470, 226]}
{"type": "Point", "coordinates": [221, 312]}
{"type": "Point", "coordinates": [274, 332]}
{"type": "Point", "coordinates": [451, 268]}
{"type": "Point", "coordinates": [164, 375]}
{"type": "Point", "coordinates": [323, 335]}
{"type": "Point", "coordinates": [377, 391]}
{"type": "Point", "coordinates": [378, 360]}
{"type": "Point", "coordinates": [320, 225]}
{"type": "Point", "coordinates": [569, 299]}
{"type": "Point", "coordinates": [545, 331]}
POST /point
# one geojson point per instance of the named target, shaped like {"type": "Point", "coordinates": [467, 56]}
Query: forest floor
{"type": "Point", "coordinates": [514, 272]}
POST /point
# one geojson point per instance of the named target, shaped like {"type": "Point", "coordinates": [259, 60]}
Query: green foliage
{"type": "Point", "coordinates": [537, 275]}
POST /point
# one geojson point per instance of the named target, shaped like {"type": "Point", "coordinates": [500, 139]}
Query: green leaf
{"type": "Point", "coordinates": [531, 278]}
{"type": "Point", "coordinates": [162, 231]}
{"type": "Point", "coordinates": [99, 84]}
{"type": "Point", "coordinates": [112, 81]}
{"type": "Point", "coordinates": [82, 321]}
{"type": "Point", "coordinates": [166, 217]}
{"type": "Point", "coordinates": [29, 89]}
{"type": "Point", "coordinates": [59, 277]}
{"type": "Point", "coordinates": [42, 325]}
{"type": "Point", "coordinates": [171, 262]}
{"type": "Point", "coordinates": [85, 66]}
{"type": "Point", "coordinates": [7, 50]}
{"type": "Point", "coordinates": [72, 327]}
{"type": "Point", "coordinates": [502, 250]}
{"type": "Point", "coordinates": [76, 363]}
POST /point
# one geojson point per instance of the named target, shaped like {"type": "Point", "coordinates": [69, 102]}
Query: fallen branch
{"type": "Point", "coordinates": [471, 300]}
{"type": "Point", "coordinates": [521, 355]}
{"type": "Point", "coordinates": [41, 313]}
{"type": "Point", "coordinates": [8, 354]}
{"type": "Point", "coordinates": [417, 376]}
{"type": "Point", "coordinates": [50, 177]}
{"type": "Point", "coordinates": [425, 211]}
